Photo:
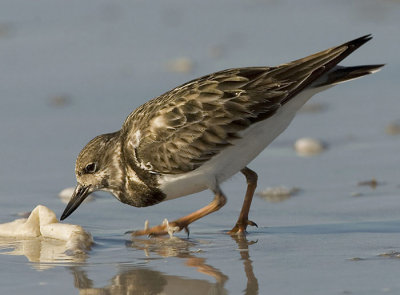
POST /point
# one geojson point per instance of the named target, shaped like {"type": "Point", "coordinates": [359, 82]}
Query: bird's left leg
{"type": "Point", "coordinates": [183, 222]}
{"type": "Point", "coordinates": [243, 220]}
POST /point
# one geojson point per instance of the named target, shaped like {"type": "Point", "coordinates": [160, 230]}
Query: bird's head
{"type": "Point", "coordinates": [97, 168]}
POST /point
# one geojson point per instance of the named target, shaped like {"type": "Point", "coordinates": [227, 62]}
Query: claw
{"type": "Point", "coordinates": [252, 223]}
{"type": "Point", "coordinates": [186, 228]}
{"type": "Point", "coordinates": [240, 227]}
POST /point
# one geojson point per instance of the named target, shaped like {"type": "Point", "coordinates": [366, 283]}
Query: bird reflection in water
{"type": "Point", "coordinates": [132, 279]}
{"type": "Point", "coordinates": [180, 248]}
{"type": "Point", "coordinates": [243, 247]}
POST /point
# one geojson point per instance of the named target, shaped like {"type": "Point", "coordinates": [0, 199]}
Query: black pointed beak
{"type": "Point", "coordinates": [80, 194]}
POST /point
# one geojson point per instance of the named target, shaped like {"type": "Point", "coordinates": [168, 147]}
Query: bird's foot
{"type": "Point", "coordinates": [166, 228]}
{"type": "Point", "coordinates": [240, 227]}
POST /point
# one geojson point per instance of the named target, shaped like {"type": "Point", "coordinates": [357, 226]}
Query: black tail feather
{"type": "Point", "coordinates": [318, 76]}
{"type": "Point", "coordinates": [342, 74]}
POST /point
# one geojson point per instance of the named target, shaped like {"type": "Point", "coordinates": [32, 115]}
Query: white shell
{"type": "Point", "coordinates": [307, 146]}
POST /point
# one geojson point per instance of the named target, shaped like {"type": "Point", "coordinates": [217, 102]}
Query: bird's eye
{"type": "Point", "coordinates": [90, 168]}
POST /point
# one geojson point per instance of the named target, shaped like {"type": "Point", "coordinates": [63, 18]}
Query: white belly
{"type": "Point", "coordinates": [234, 158]}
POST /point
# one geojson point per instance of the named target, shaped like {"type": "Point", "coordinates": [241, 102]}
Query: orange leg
{"type": "Point", "coordinates": [183, 222]}
{"type": "Point", "coordinates": [243, 220]}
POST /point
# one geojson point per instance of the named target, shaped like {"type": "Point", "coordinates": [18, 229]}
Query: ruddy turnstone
{"type": "Point", "coordinates": [201, 133]}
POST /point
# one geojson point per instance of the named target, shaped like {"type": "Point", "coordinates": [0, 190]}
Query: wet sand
{"type": "Point", "coordinates": [72, 70]}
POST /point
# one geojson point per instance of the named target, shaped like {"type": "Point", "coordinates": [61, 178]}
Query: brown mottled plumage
{"type": "Point", "coordinates": [197, 135]}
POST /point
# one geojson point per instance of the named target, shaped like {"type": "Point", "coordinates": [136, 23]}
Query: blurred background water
{"type": "Point", "coordinates": [70, 70]}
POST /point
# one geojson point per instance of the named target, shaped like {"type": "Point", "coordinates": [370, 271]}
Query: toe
{"type": "Point", "coordinates": [252, 223]}
{"type": "Point", "coordinates": [138, 233]}
{"type": "Point", "coordinates": [186, 228]}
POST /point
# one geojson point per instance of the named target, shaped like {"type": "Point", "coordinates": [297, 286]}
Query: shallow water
{"type": "Point", "coordinates": [71, 70]}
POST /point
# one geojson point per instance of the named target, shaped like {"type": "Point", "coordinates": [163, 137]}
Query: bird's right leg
{"type": "Point", "coordinates": [243, 220]}
{"type": "Point", "coordinates": [183, 223]}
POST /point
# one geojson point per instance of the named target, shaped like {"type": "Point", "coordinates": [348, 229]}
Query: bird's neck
{"type": "Point", "coordinates": [139, 187]}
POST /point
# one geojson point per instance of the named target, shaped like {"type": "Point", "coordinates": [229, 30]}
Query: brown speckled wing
{"type": "Point", "coordinates": [185, 127]}
{"type": "Point", "coordinates": [182, 129]}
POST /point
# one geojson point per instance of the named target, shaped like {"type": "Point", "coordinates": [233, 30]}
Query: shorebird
{"type": "Point", "coordinates": [199, 134]}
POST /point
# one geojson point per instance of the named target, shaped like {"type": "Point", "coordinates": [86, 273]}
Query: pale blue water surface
{"type": "Point", "coordinates": [70, 70]}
